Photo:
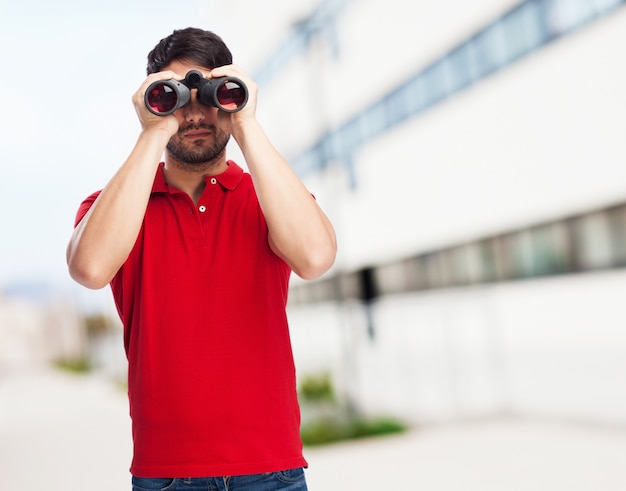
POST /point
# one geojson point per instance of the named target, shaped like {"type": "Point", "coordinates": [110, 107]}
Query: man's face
{"type": "Point", "coordinates": [201, 138]}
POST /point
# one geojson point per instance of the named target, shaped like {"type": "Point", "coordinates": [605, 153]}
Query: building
{"type": "Point", "coordinates": [471, 157]}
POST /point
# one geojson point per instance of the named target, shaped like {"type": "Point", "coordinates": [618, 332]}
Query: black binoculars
{"type": "Point", "coordinates": [166, 96]}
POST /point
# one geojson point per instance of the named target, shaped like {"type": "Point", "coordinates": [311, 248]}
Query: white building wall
{"type": "Point", "coordinates": [552, 347]}
{"type": "Point", "coordinates": [539, 140]}
{"type": "Point", "coordinates": [535, 141]}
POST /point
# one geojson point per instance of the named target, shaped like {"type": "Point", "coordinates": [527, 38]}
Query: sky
{"type": "Point", "coordinates": [69, 69]}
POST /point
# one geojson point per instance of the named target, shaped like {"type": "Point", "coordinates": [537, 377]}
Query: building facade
{"type": "Point", "coordinates": [471, 157]}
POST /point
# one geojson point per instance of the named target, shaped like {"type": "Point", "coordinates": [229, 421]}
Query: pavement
{"type": "Point", "coordinates": [72, 432]}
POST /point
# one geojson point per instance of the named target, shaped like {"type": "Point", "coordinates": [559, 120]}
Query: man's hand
{"type": "Point", "coordinates": [248, 113]}
{"type": "Point", "coordinates": [148, 120]}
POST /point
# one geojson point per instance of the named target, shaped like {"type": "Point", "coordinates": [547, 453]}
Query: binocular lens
{"type": "Point", "coordinates": [166, 96]}
{"type": "Point", "coordinates": [231, 95]}
{"type": "Point", "coordinates": [162, 98]}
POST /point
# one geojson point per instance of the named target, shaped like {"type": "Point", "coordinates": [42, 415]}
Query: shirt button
{"type": "Point", "coordinates": [202, 208]}
{"type": "Point", "coordinates": [213, 180]}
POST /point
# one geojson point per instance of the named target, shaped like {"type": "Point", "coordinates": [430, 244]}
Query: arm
{"type": "Point", "coordinates": [105, 236]}
{"type": "Point", "coordinates": [299, 231]}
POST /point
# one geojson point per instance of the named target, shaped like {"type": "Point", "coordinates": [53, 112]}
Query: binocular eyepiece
{"type": "Point", "coordinates": [166, 96]}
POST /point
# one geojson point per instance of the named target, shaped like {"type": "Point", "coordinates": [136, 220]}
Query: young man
{"type": "Point", "coordinates": [198, 254]}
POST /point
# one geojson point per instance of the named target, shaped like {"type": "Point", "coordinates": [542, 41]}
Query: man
{"type": "Point", "coordinates": [198, 254]}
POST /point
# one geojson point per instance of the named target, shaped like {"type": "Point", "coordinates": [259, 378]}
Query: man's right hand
{"type": "Point", "coordinates": [147, 119]}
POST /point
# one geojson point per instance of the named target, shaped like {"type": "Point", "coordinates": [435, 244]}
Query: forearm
{"type": "Point", "coordinates": [105, 236]}
{"type": "Point", "coordinates": [299, 231]}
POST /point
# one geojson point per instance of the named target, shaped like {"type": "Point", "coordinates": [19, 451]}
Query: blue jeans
{"type": "Point", "coordinates": [290, 480]}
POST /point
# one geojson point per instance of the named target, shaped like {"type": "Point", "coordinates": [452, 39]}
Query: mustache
{"type": "Point", "coordinates": [197, 126]}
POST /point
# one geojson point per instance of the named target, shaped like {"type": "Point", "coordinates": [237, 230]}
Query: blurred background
{"type": "Point", "coordinates": [471, 157]}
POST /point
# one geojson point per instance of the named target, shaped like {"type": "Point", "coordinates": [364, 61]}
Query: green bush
{"type": "Point", "coordinates": [76, 365]}
{"type": "Point", "coordinates": [317, 388]}
{"type": "Point", "coordinates": [329, 430]}
{"type": "Point", "coordinates": [329, 420]}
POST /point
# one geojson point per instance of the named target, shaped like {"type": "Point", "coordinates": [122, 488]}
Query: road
{"type": "Point", "coordinates": [65, 432]}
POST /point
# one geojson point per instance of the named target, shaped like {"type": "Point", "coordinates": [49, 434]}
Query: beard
{"type": "Point", "coordinates": [201, 151]}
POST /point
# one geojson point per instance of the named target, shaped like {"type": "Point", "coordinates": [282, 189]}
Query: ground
{"type": "Point", "coordinates": [72, 432]}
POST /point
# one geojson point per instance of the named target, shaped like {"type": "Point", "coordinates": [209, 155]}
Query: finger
{"type": "Point", "coordinates": [228, 71]}
{"type": "Point", "coordinates": [158, 76]}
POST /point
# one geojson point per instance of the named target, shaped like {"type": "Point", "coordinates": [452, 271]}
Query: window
{"type": "Point", "coordinates": [565, 15]}
{"type": "Point", "coordinates": [492, 259]}
{"type": "Point", "coordinates": [617, 226]}
{"type": "Point", "coordinates": [522, 30]}
{"type": "Point", "coordinates": [397, 106]}
{"type": "Point", "coordinates": [551, 252]}
{"type": "Point", "coordinates": [400, 276]}
{"type": "Point", "coordinates": [525, 28]}
{"type": "Point", "coordinates": [593, 241]}
{"type": "Point", "coordinates": [458, 68]}
{"type": "Point", "coordinates": [435, 87]}
{"type": "Point", "coordinates": [603, 6]}
{"type": "Point", "coordinates": [348, 286]}
{"type": "Point", "coordinates": [465, 264]}
{"type": "Point", "coordinates": [416, 96]}
{"type": "Point", "coordinates": [375, 120]}
{"type": "Point", "coordinates": [429, 271]}
{"type": "Point", "coordinates": [488, 50]}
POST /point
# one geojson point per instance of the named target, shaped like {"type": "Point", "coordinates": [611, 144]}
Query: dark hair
{"type": "Point", "coordinates": [191, 44]}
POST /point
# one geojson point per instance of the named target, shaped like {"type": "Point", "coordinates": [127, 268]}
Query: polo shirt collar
{"type": "Point", "coordinates": [229, 179]}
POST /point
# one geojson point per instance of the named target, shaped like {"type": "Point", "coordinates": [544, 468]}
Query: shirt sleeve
{"type": "Point", "coordinates": [84, 207]}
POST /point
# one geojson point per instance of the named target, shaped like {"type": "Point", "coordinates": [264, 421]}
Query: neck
{"type": "Point", "coordinates": [189, 178]}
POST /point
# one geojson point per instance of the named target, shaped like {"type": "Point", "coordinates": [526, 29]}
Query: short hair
{"type": "Point", "coordinates": [201, 47]}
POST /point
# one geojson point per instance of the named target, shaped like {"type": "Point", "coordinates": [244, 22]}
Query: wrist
{"type": "Point", "coordinates": [160, 134]}
{"type": "Point", "coordinates": [244, 128]}
{"type": "Point", "coordinates": [152, 142]}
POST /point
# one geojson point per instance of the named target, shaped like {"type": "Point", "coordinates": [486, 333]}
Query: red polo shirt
{"type": "Point", "coordinates": [202, 298]}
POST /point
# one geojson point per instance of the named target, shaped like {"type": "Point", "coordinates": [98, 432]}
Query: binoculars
{"type": "Point", "coordinates": [166, 96]}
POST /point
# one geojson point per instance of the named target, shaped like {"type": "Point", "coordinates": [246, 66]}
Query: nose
{"type": "Point", "coordinates": [194, 110]}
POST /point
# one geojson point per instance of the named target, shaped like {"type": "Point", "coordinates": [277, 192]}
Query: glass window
{"type": "Point", "coordinates": [465, 264]}
{"type": "Point", "coordinates": [331, 147]}
{"type": "Point", "coordinates": [389, 278]}
{"type": "Point", "coordinates": [593, 241]}
{"type": "Point", "coordinates": [522, 30]}
{"type": "Point", "coordinates": [319, 156]}
{"type": "Point", "coordinates": [445, 260]}
{"type": "Point", "coordinates": [551, 251]}
{"type": "Point", "coordinates": [400, 276]}
{"type": "Point", "coordinates": [602, 6]}
{"type": "Point", "coordinates": [435, 86]}
{"type": "Point", "coordinates": [488, 50]}
{"type": "Point", "coordinates": [349, 136]}
{"type": "Point", "coordinates": [421, 273]}
{"type": "Point", "coordinates": [326, 290]}
{"type": "Point", "coordinates": [431, 271]}
{"type": "Point", "coordinates": [397, 105]}
{"type": "Point", "coordinates": [374, 120]}
{"type": "Point", "coordinates": [617, 226]}
{"type": "Point", "coordinates": [565, 15]}
{"type": "Point", "coordinates": [520, 254]}
{"type": "Point", "coordinates": [416, 96]}
{"type": "Point", "coordinates": [348, 286]}
{"type": "Point", "coordinates": [487, 267]}
{"type": "Point", "coordinates": [539, 251]}
{"type": "Point", "coordinates": [458, 68]}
